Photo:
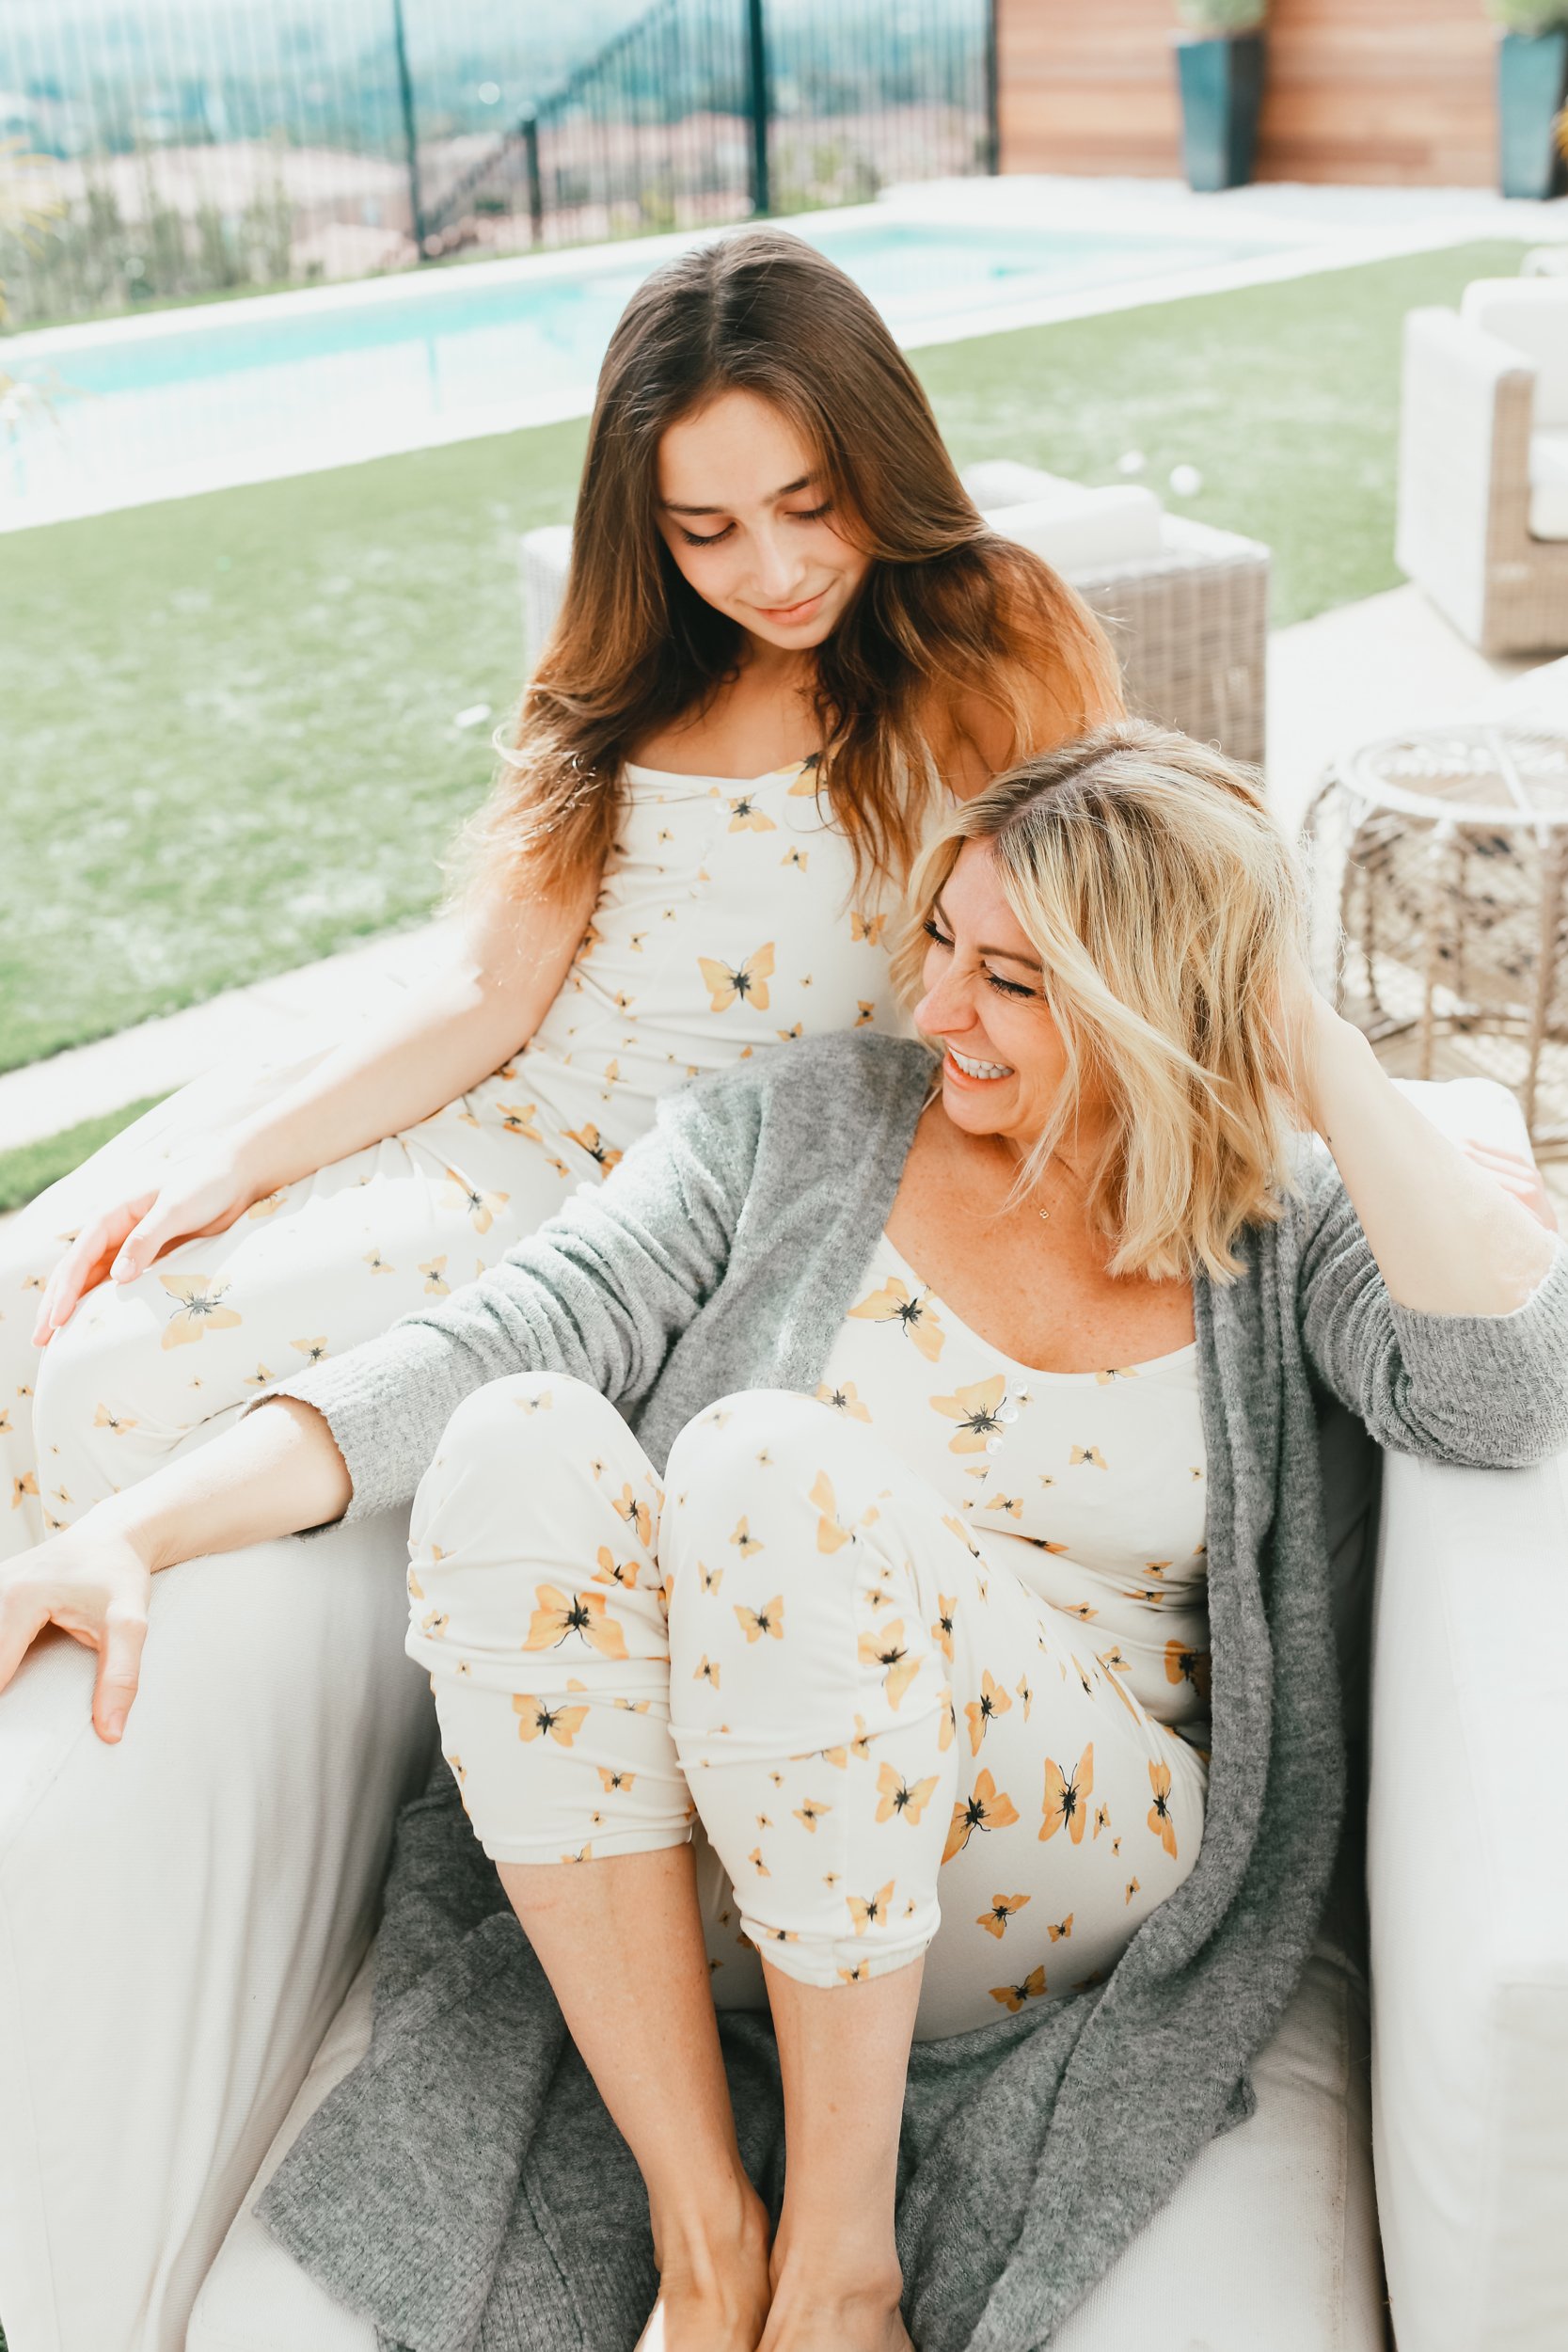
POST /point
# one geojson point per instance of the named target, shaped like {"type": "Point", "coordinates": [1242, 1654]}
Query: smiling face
{"type": "Point", "coordinates": [1004, 1063]}
{"type": "Point", "coordinates": [750, 522]}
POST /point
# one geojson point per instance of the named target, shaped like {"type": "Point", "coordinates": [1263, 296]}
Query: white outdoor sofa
{"type": "Point", "coordinates": [186, 1928]}
{"type": "Point", "coordinates": [1185, 606]}
{"type": "Point", "coordinates": [1483, 462]}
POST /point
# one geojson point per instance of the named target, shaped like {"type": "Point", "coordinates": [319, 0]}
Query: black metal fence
{"type": "Point", "coordinates": [181, 148]}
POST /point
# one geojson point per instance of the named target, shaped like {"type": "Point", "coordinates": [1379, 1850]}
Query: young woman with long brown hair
{"type": "Point", "coordinates": [787, 640]}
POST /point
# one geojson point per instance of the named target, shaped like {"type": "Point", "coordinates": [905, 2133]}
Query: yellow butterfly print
{"type": "Point", "coordinates": [614, 1778]}
{"type": "Point", "coordinates": [798, 858]}
{"type": "Point", "coordinates": [27, 1485]}
{"type": "Point", "coordinates": [769, 1619]}
{"type": "Point", "coordinates": [634, 1706]}
{"type": "Point", "coordinates": [920, 1322]}
{"type": "Point", "coordinates": [1188, 1665]}
{"type": "Point", "coordinates": [1065, 1794]}
{"type": "Point", "coordinates": [434, 1272]}
{"type": "Point", "coordinates": [1131, 1888]}
{"type": "Point", "coordinates": [859, 1747]}
{"type": "Point", "coordinates": [1062, 1928]}
{"type": "Point", "coordinates": [707, 1670]}
{"type": "Point", "coordinates": [844, 1399]}
{"type": "Point", "coordinates": [480, 1208]}
{"type": "Point", "coordinates": [267, 1206]}
{"type": "Point", "coordinates": [518, 1118]}
{"type": "Point", "coordinates": [415, 1590]}
{"type": "Point", "coordinates": [747, 982]}
{"type": "Point", "coordinates": [638, 1515]}
{"type": "Point", "coordinates": [832, 1533]}
{"type": "Point", "coordinates": [947, 1723]}
{"type": "Point", "coordinates": [1116, 1372]}
{"type": "Point", "coordinates": [866, 1014]}
{"type": "Point", "coordinates": [613, 1571]}
{"type": "Point", "coordinates": [860, 1972]}
{"type": "Point", "coordinates": [941, 1632]}
{"type": "Point", "coordinates": [1101, 1818]}
{"type": "Point", "coordinates": [984, 1810]}
{"type": "Point", "coordinates": [459, 1770]}
{"type": "Point", "coordinates": [543, 1402]}
{"type": "Point", "coordinates": [102, 1419]}
{"type": "Point", "coordinates": [789, 1036]}
{"type": "Point", "coordinates": [433, 1624]}
{"type": "Point", "coordinates": [1012, 1504]}
{"type": "Point", "coordinates": [886, 1649]}
{"type": "Point", "coordinates": [712, 1577]}
{"type": "Point", "coordinates": [810, 1811]}
{"type": "Point", "coordinates": [1026, 1695]}
{"type": "Point", "coordinates": [1159, 1812]}
{"type": "Point", "coordinates": [869, 1911]}
{"type": "Point", "coordinates": [957, 1527]}
{"type": "Point", "coordinates": [1002, 1908]}
{"type": "Point", "coordinates": [589, 1139]}
{"type": "Point", "coordinates": [555, 1616]}
{"type": "Point", "coordinates": [538, 1720]}
{"type": "Point", "coordinates": [198, 1310]}
{"type": "Point", "coordinates": [974, 1407]}
{"type": "Point", "coordinates": [755, 1858]}
{"type": "Point", "coordinates": [870, 928]}
{"type": "Point", "coordinates": [745, 817]}
{"type": "Point", "coordinates": [377, 1264]}
{"type": "Point", "coordinates": [1088, 1454]}
{"type": "Point", "coordinates": [745, 1542]}
{"type": "Point", "coordinates": [993, 1700]}
{"type": "Point", "coordinates": [896, 1800]}
{"type": "Point", "coordinates": [1012, 1996]}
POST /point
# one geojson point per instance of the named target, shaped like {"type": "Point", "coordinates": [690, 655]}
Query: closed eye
{"type": "Point", "coordinates": [793, 515]}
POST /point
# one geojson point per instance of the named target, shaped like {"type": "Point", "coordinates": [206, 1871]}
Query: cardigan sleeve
{"type": "Point", "coordinates": [1484, 1391]}
{"type": "Point", "coordinates": [601, 1293]}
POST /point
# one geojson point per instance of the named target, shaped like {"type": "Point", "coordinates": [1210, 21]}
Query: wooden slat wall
{"type": "Point", "coordinates": [1358, 90]}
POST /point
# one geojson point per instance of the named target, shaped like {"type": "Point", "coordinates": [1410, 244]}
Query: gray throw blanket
{"type": "Point", "coordinates": [465, 2187]}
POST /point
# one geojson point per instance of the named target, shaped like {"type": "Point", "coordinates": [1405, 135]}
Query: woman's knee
{"type": "Point", "coordinates": [529, 1419]}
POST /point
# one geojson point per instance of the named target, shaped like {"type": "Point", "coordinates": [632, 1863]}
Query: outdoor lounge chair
{"type": "Point", "coordinates": [1186, 606]}
{"type": "Point", "coordinates": [1483, 462]}
{"type": "Point", "coordinates": [186, 1954]}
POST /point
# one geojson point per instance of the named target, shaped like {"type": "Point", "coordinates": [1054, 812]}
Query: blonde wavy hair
{"type": "Point", "coordinates": [1169, 915]}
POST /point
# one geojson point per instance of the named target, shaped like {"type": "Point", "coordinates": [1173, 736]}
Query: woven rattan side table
{"type": "Point", "coordinates": [1444, 853]}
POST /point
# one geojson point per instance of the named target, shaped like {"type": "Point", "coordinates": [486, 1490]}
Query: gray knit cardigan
{"type": "Point", "coordinates": [463, 2187]}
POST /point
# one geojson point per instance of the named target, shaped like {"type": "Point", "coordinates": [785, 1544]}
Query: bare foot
{"type": "Point", "coordinates": [815, 2313]}
{"type": "Point", "coordinates": [713, 2293]}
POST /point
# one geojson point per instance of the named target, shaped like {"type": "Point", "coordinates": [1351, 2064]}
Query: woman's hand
{"type": "Point", "coordinates": [1517, 1174]}
{"type": "Point", "coordinates": [203, 1191]}
{"type": "Point", "coordinates": [93, 1583]}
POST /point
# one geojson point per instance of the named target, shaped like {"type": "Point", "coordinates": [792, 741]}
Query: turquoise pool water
{"type": "Point", "coordinates": [271, 386]}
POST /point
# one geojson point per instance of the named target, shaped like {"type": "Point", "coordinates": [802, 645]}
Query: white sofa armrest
{"type": "Point", "coordinates": [1469, 1905]}
{"type": "Point", "coordinates": [1464, 462]}
{"type": "Point", "coordinates": [181, 1916]}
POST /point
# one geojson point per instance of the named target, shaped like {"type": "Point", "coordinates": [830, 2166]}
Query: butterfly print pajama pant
{"type": "Point", "coordinates": [791, 1649]}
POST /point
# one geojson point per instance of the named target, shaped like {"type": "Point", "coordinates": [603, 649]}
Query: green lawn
{"type": "Point", "coordinates": [229, 720]}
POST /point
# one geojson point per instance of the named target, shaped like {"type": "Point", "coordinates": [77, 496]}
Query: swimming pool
{"type": "Point", "coordinates": [188, 400]}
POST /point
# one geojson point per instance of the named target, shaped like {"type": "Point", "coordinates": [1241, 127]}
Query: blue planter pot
{"type": "Point", "coordinates": [1221, 80]}
{"type": "Point", "coordinates": [1532, 81]}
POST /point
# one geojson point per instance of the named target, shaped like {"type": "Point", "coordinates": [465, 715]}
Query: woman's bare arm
{"type": "Point", "coordinates": [450, 1033]}
{"type": "Point", "coordinates": [276, 1471]}
{"type": "Point", "coordinates": [1448, 1237]}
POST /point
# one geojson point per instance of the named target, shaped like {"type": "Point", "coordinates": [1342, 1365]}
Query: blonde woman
{"type": "Point", "coordinates": [869, 1561]}
{"type": "Point", "coordinates": [787, 640]}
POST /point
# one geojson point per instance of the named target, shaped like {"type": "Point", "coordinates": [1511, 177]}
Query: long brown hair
{"type": "Point", "coordinates": [945, 604]}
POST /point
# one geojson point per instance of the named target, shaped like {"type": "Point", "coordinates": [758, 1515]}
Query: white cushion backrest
{"type": "Point", "coordinates": [1078, 529]}
{"type": "Point", "coordinates": [1531, 313]}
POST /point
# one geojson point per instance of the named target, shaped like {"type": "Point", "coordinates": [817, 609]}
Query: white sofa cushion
{"type": "Point", "coordinates": [1549, 486]}
{"type": "Point", "coordinates": [1078, 529]}
{"type": "Point", "coordinates": [1271, 2239]}
{"type": "Point", "coordinates": [1531, 313]}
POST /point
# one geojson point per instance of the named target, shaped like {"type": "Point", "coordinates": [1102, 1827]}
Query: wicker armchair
{"type": "Point", "coordinates": [1188, 616]}
{"type": "Point", "coordinates": [1480, 508]}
